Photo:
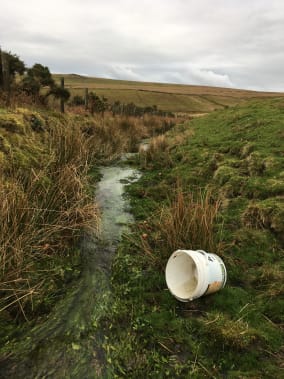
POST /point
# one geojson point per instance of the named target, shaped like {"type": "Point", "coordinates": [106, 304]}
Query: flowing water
{"type": "Point", "coordinates": [69, 343]}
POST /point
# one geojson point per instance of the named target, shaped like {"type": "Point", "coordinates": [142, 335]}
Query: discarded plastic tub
{"type": "Point", "coordinates": [194, 273]}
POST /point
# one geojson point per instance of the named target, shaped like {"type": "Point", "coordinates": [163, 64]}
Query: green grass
{"type": "Point", "coordinates": [237, 154]}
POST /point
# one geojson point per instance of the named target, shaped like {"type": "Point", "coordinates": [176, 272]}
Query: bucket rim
{"type": "Point", "coordinates": [198, 258]}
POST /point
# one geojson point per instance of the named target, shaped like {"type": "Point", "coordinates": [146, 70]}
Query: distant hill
{"type": "Point", "coordinates": [169, 97]}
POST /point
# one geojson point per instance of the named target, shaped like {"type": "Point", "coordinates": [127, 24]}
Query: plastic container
{"type": "Point", "coordinates": [191, 274]}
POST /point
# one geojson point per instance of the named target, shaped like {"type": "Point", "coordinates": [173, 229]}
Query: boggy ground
{"type": "Point", "coordinates": [46, 204]}
{"type": "Point", "coordinates": [216, 183]}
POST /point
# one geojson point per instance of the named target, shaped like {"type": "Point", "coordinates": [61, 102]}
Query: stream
{"type": "Point", "coordinates": [69, 343]}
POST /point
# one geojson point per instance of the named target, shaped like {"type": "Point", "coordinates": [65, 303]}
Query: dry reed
{"type": "Point", "coordinates": [44, 205]}
{"type": "Point", "coordinates": [187, 222]}
{"type": "Point", "coordinates": [43, 211]}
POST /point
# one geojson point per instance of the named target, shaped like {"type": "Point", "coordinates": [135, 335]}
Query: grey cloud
{"type": "Point", "coordinates": [175, 73]}
{"type": "Point", "coordinates": [228, 43]}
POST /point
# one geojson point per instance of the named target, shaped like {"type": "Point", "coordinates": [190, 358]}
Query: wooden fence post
{"type": "Point", "coordinates": [6, 75]}
{"type": "Point", "coordinates": [61, 100]}
{"type": "Point", "coordinates": [86, 98]}
{"type": "Point", "coordinates": [1, 68]}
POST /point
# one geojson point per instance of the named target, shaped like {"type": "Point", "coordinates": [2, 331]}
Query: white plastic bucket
{"type": "Point", "coordinates": [191, 274]}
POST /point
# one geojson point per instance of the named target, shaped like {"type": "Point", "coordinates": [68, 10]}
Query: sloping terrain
{"type": "Point", "coordinates": [231, 160]}
{"type": "Point", "coordinates": [168, 97]}
{"type": "Point", "coordinates": [214, 183]}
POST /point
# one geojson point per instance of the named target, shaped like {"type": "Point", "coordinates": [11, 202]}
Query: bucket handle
{"type": "Point", "coordinates": [201, 252]}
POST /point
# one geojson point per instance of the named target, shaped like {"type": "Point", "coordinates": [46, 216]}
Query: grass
{"type": "Point", "coordinates": [189, 221]}
{"type": "Point", "coordinates": [44, 207]}
{"type": "Point", "coordinates": [186, 221]}
{"type": "Point", "coordinates": [229, 169]}
{"type": "Point", "coordinates": [44, 195]}
{"type": "Point", "coordinates": [214, 183]}
{"type": "Point", "coordinates": [168, 97]}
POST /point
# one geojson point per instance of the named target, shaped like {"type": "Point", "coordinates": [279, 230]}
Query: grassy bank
{"type": "Point", "coordinates": [45, 199]}
{"type": "Point", "coordinates": [53, 288]}
{"type": "Point", "coordinates": [44, 207]}
{"type": "Point", "coordinates": [215, 183]}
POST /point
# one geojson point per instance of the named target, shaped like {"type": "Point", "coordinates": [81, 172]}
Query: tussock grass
{"type": "Point", "coordinates": [44, 202]}
{"type": "Point", "coordinates": [188, 221]}
{"type": "Point", "coordinates": [109, 137]}
{"type": "Point", "coordinates": [68, 145]}
{"type": "Point", "coordinates": [156, 153]}
{"type": "Point", "coordinates": [43, 210]}
{"type": "Point", "coordinates": [37, 222]}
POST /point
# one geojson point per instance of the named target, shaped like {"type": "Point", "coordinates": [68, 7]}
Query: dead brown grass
{"type": "Point", "coordinates": [187, 222]}
{"type": "Point", "coordinates": [156, 151]}
{"type": "Point", "coordinates": [190, 99]}
{"type": "Point", "coordinates": [112, 136]}
{"type": "Point", "coordinates": [43, 201]}
{"type": "Point", "coordinates": [43, 212]}
{"type": "Point", "coordinates": [77, 81]}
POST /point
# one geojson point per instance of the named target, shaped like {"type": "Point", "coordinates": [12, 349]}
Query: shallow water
{"type": "Point", "coordinates": [109, 195]}
{"type": "Point", "coordinates": [69, 343]}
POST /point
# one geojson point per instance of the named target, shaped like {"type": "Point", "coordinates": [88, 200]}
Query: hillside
{"type": "Point", "coordinates": [216, 184]}
{"type": "Point", "coordinates": [169, 97]}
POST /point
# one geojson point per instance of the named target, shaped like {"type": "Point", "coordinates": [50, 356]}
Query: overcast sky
{"type": "Point", "coordinates": [229, 43]}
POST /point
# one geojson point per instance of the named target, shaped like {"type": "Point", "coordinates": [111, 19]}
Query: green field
{"type": "Point", "coordinates": [168, 97]}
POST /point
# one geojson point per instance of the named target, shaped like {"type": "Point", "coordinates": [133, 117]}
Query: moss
{"type": "Point", "coordinates": [231, 332]}
{"type": "Point", "coordinates": [258, 188]}
{"type": "Point", "coordinates": [28, 156]}
{"type": "Point", "coordinates": [3, 160]}
{"type": "Point", "coordinates": [276, 186]}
